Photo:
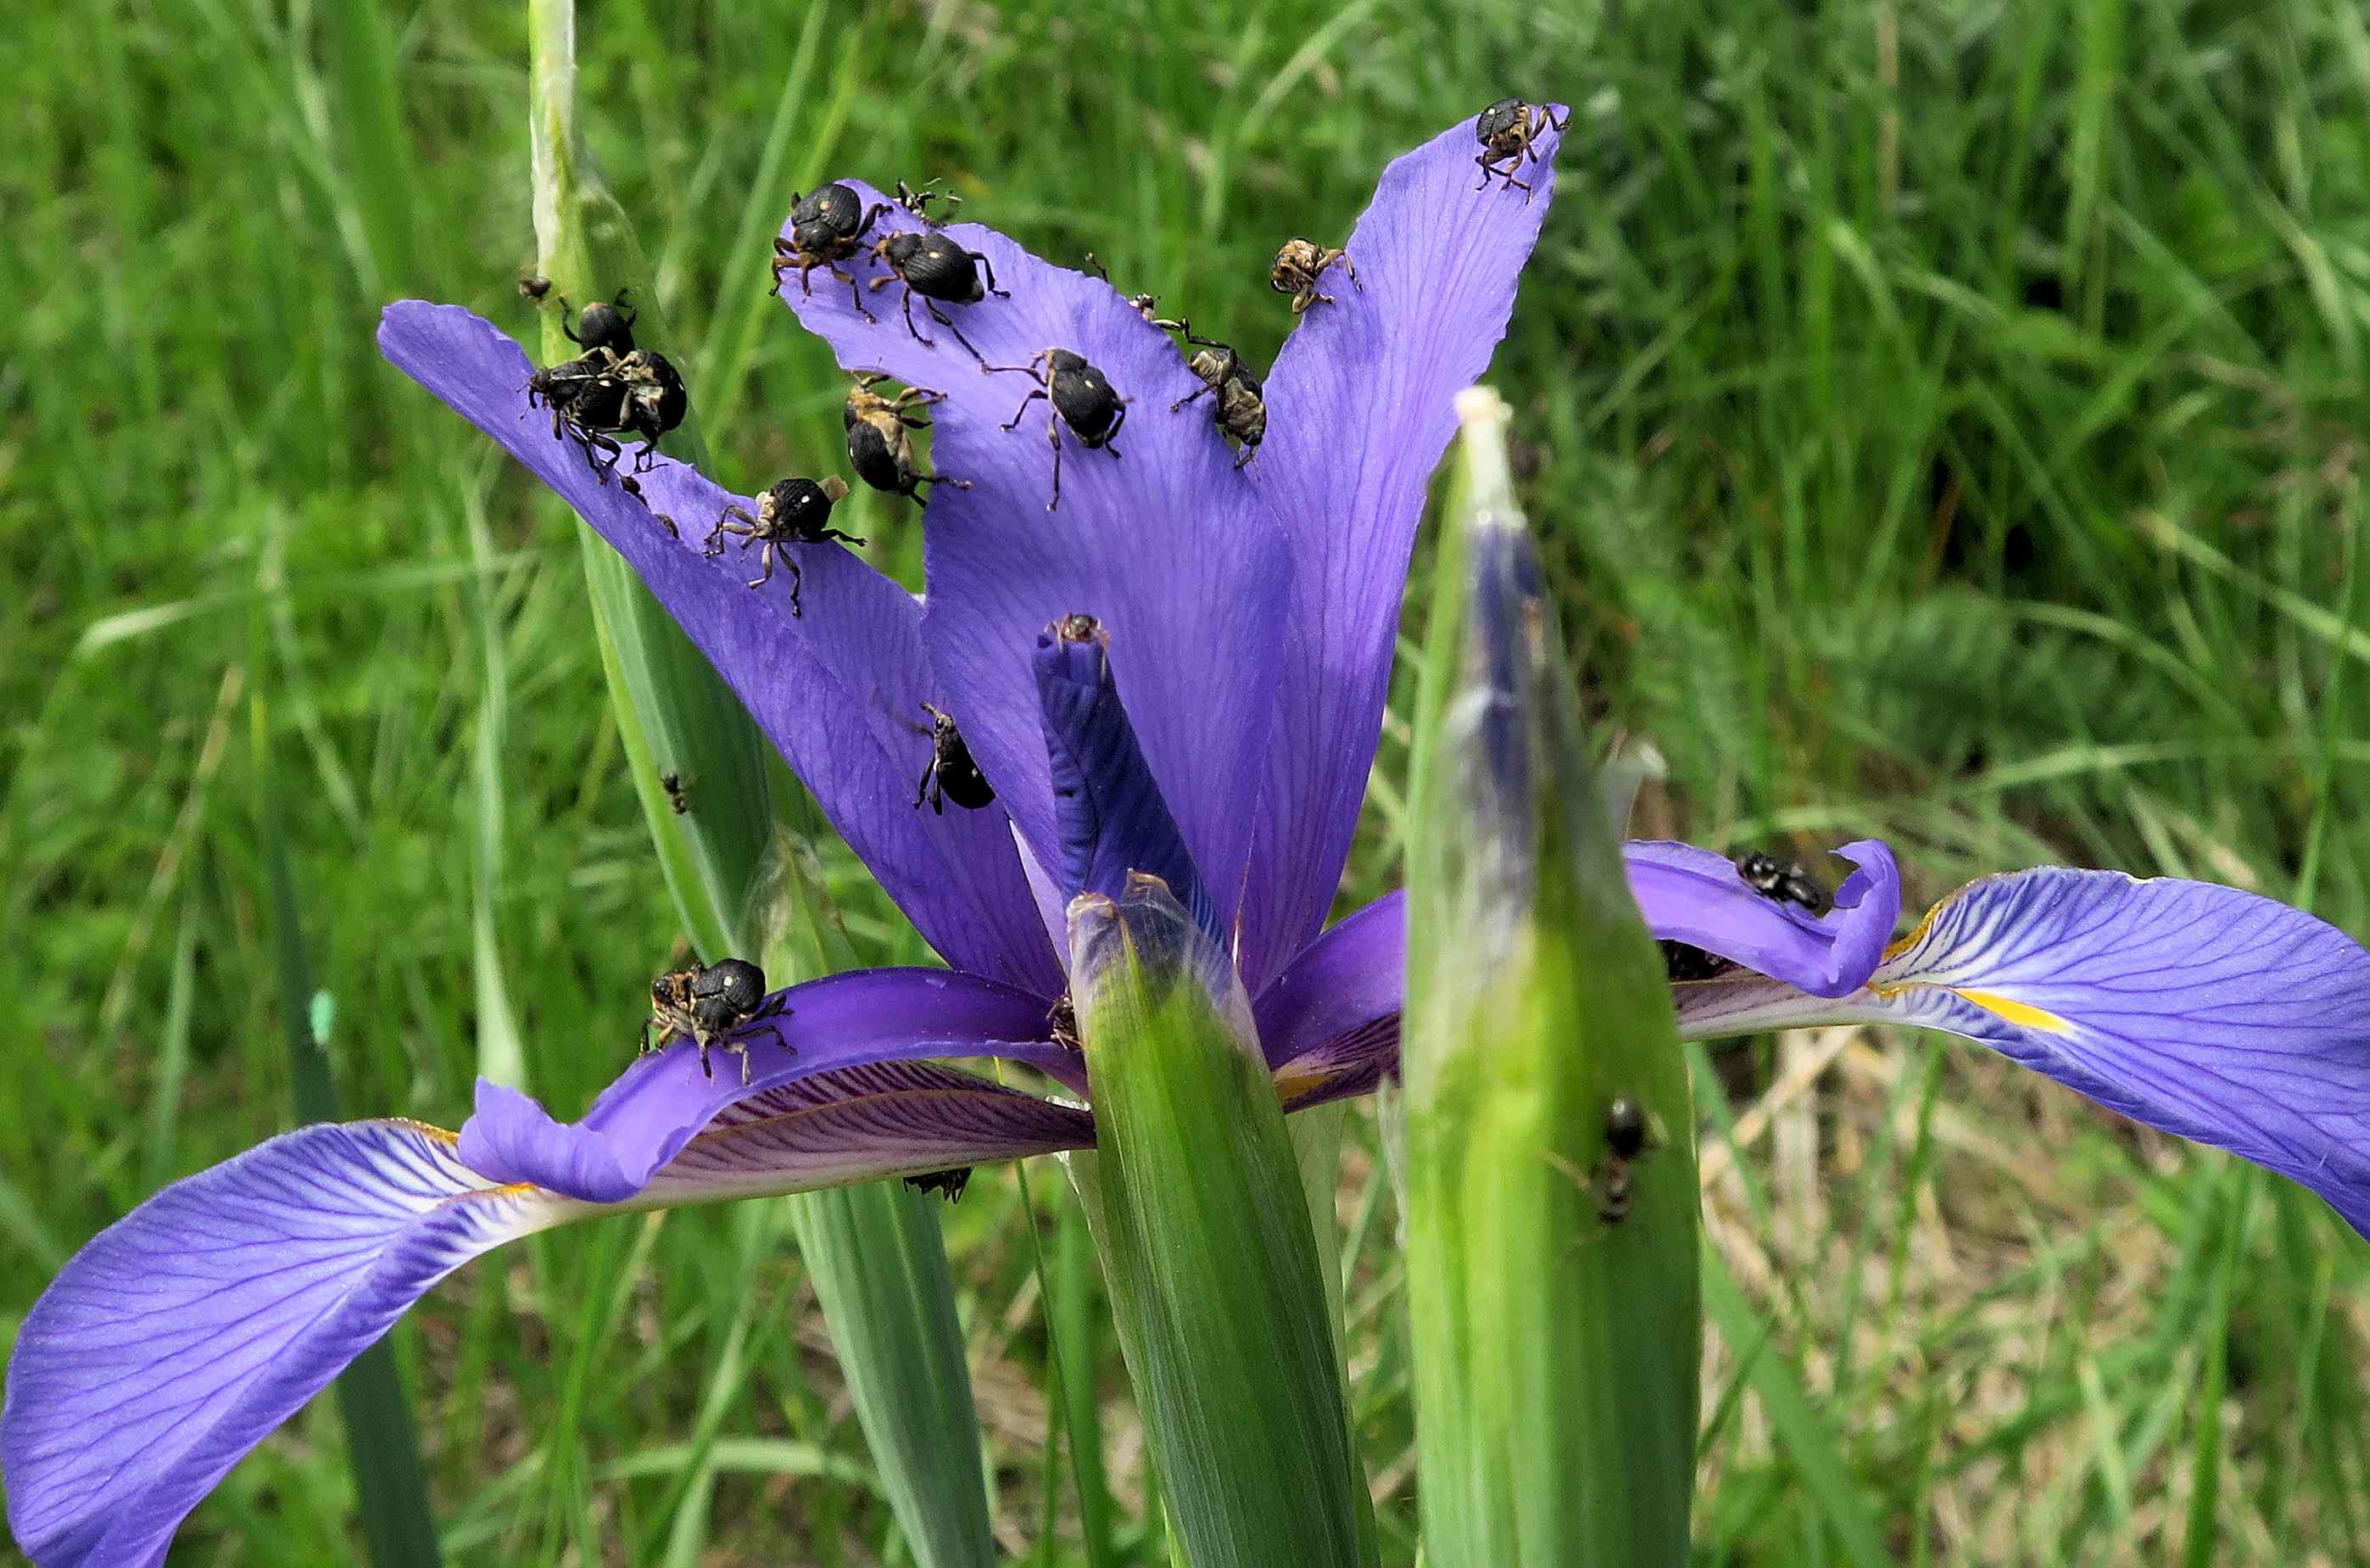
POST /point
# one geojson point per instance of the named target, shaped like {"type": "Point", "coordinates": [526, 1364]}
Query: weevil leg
{"type": "Point", "coordinates": [1035, 393]}
{"type": "Point", "coordinates": [1053, 435]}
{"type": "Point", "coordinates": [917, 331]}
{"type": "Point", "coordinates": [989, 268]}
{"type": "Point", "coordinates": [855, 294]}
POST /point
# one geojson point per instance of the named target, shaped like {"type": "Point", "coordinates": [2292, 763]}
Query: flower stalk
{"type": "Point", "coordinates": [874, 1251]}
{"type": "Point", "coordinates": [1551, 1238]}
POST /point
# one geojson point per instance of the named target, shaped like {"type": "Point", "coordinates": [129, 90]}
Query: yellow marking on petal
{"type": "Point", "coordinates": [1290, 1085]}
{"type": "Point", "coordinates": [2024, 1015]}
{"type": "Point", "coordinates": [1914, 938]}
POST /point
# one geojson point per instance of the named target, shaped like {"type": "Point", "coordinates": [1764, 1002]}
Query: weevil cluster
{"type": "Point", "coordinates": [614, 388]}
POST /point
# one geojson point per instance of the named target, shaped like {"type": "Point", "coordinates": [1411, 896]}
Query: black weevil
{"type": "Point", "coordinates": [792, 512]}
{"type": "Point", "coordinates": [707, 1003]}
{"type": "Point", "coordinates": [1082, 398]}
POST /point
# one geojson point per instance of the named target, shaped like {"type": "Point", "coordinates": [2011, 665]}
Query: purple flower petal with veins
{"type": "Point", "coordinates": [1152, 750]}
{"type": "Point", "coordinates": [2220, 1016]}
{"type": "Point", "coordinates": [1360, 409]}
{"type": "Point", "coordinates": [1214, 735]}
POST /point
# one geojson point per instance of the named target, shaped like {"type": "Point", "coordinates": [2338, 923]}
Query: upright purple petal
{"type": "Point", "coordinates": [1108, 808]}
{"type": "Point", "coordinates": [1168, 543]}
{"type": "Point", "coordinates": [2215, 1015]}
{"type": "Point", "coordinates": [838, 689]}
{"type": "Point", "coordinates": [1693, 895]}
{"type": "Point", "coordinates": [1337, 991]}
{"type": "Point", "coordinates": [190, 1327]}
{"type": "Point", "coordinates": [1359, 412]}
{"type": "Point", "coordinates": [662, 1102]}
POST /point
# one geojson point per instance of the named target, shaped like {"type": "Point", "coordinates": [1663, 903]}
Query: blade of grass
{"type": "Point", "coordinates": [391, 1488]}
{"type": "Point", "coordinates": [1838, 1503]}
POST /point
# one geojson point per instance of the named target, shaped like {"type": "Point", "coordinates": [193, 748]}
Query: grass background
{"type": "Point", "coordinates": [1948, 419]}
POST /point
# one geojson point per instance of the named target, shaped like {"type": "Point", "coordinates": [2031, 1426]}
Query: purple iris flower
{"type": "Point", "coordinates": [1212, 724]}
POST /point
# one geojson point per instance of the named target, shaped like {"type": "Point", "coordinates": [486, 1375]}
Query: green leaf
{"type": "Point", "coordinates": [879, 1270]}
{"type": "Point", "coordinates": [1207, 1246]}
{"type": "Point", "coordinates": [1552, 1291]}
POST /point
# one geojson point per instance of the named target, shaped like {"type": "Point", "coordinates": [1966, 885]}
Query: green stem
{"type": "Point", "coordinates": [875, 1253]}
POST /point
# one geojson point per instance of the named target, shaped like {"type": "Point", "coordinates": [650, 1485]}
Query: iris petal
{"type": "Point", "coordinates": [1339, 986]}
{"type": "Point", "coordinates": [888, 1118]}
{"type": "Point", "coordinates": [664, 1099]}
{"type": "Point", "coordinates": [1107, 806]}
{"type": "Point", "coordinates": [1169, 546]}
{"type": "Point", "coordinates": [1693, 895]}
{"type": "Point", "coordinates": [1359, 412]}
{"type": "Point", "coordinates": [838, 689]}
{"type": "Point", "coordinates": [2219, 1016]}
{"type": "Point", "coordinates": [184, 1332]}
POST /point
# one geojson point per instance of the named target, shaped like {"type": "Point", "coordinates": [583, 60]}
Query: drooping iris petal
{"type": "Point", "coordinates": [662, 1102]}
{"type": "Point", "coordinates": [187, 1331]}
{"type": "Point", "coordinates": [1167, 543]}
{"type": "Point", "coordinates": [838, 689]}
{"type": "Point", "coordinates": [1108, 808]}
{"type": "Point", "coordinates": [889, 1118]}
{"type": "Point", "coordinates": [2220, 1016]}
{"type": "Point", "coordinates": [1338, 987]}
{"type": "Point", "coordinates": [1693, 895]}
{"type": "Point", "coordinates": [1359, 412]}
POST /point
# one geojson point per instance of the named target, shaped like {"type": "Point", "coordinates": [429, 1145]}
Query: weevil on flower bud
{"type": "Point", "coordinates": [608, 325]}
{"type": "Point", "coordinates": [1628, 1137]}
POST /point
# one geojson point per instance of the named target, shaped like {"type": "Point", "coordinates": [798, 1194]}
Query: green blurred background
{"type": "Point", "coordinates": [1948, 419]}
